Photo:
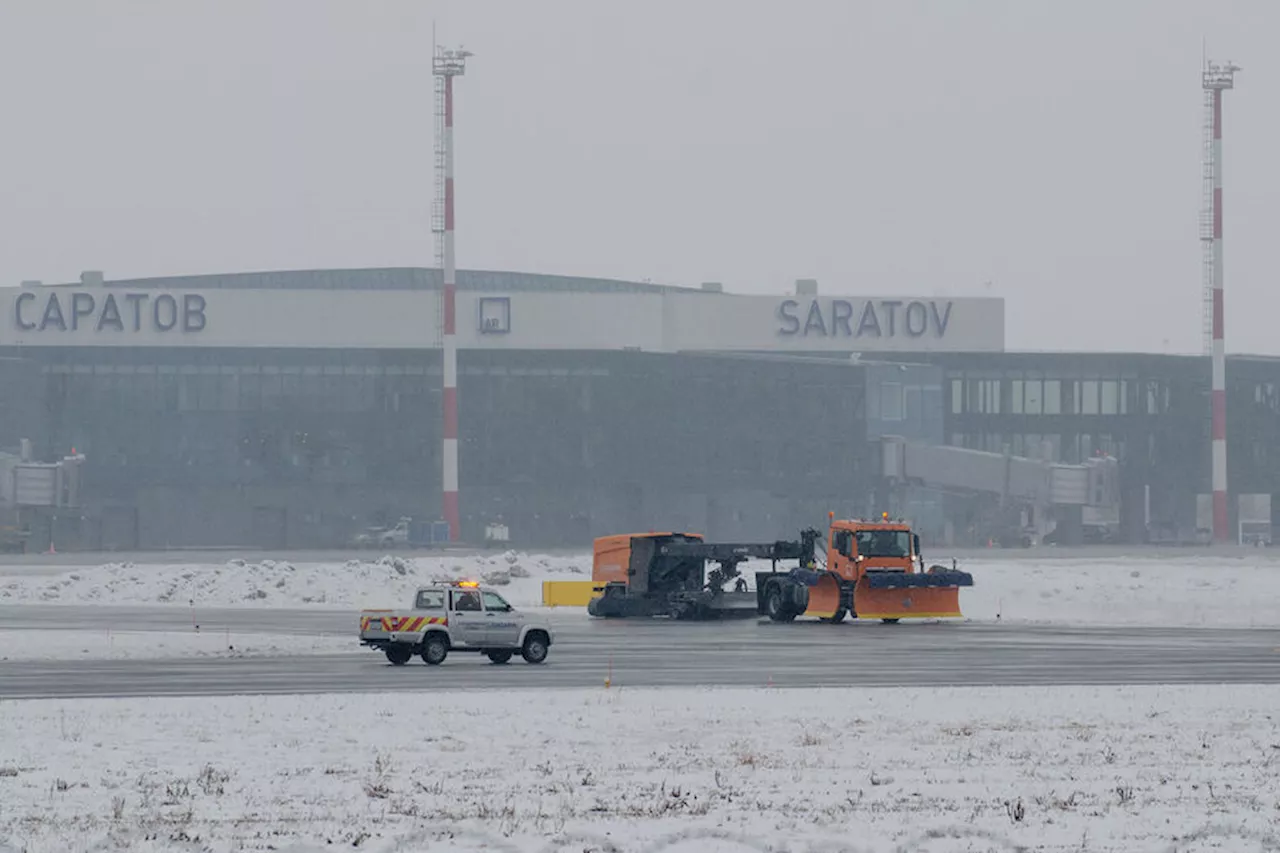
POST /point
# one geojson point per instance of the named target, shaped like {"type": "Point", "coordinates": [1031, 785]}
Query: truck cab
{"type": "Point", "coordinates": [459, 616]}
{"type": "Point", "coordinates": [857, 547]}
{"type": "Point", "coordinates": [874, 570]}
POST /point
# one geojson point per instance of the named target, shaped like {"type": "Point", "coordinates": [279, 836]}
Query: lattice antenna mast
{"type": "Point", "coordinates": [437, 201]}
{"type": "Point", "coordinates": [445, 65]}
{"type": "Point", "coordinates": [1214, 80]}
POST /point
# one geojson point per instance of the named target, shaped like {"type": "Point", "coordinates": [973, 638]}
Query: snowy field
{"type": "Point", "coordinates": [1195, 590]}
{"type": "Point", "coordinates": [1053, 769]}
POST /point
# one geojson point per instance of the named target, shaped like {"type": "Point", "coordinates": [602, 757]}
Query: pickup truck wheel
{"type": "Point", "coordinates": [399, 654]}
{"type": "Point", "coordinates": [501, 656]}
{"type": "Point", "coordinates": [534, 649]}
{"type": "Point", "coordinates": [434, 650]}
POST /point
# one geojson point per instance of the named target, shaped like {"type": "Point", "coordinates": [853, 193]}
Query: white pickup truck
{"type": "Point", "coordinates": [461, 616]}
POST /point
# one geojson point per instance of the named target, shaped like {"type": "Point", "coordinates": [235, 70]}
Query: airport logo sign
{"type": "Point", "coordinates": [64, 310]}
{"type": "Point", "coordinates": [495, 315]}
{"type": "Point", "coordinates": [886, 318]}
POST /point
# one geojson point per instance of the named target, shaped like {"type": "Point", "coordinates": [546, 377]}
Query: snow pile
{"type": "Point", "coordinates": [1051, 769]}
{"type": "Point", "coordinates": [150, 645]}
{"type": "Point", "coordinates": [1186, 591]}
{"type": "Point", "coordinates": [386, 582]}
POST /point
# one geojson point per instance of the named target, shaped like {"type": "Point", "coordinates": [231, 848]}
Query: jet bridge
{"type": "Point", "coordinates": [1075, 495]}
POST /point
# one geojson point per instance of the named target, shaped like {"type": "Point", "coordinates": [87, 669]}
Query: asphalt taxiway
{"type": "Point", "coordinates": [649, 653]}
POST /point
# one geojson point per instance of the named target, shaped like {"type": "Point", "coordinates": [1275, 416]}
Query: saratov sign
{"type": "Point", "coordinates": [73, 310]}
{"type": "Point", "coordinates": [673, 322]}
{"type": "Point", "coordinates": [885, 318]}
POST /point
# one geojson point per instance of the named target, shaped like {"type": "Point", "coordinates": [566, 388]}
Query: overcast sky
{"type": "Point", "coordinates": [1045, 152]}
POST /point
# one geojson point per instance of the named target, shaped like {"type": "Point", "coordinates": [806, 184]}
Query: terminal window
{"type": "Point", "coordinates": [982, 396]}
{"type": "Point", "coordinates": [892, 402]}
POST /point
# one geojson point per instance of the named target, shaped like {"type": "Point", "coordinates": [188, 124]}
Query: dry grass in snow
{"type": "Point", "coordinates": [1055, 769]}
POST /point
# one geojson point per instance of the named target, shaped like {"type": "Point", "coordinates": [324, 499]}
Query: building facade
{"type": "Point", "coordinates": [295, 409]}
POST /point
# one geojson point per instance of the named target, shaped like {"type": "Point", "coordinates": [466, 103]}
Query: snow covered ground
{"type": "Point", "coordinates": [1186, 592]}
{"type": "Point", "coordinates": [139, 645]}
{"type": "Point", "coordinates": [388, 581]}
{"type": "Point", "coordinates": [1055, 769]}
{"type": "Point", "coordinates": [1195, 590]}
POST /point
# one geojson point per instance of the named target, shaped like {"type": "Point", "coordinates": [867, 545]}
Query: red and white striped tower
{"type": "Point", "coordinates": [447, 64]}
{"type": "Point", "coordinates": [1216, 79]}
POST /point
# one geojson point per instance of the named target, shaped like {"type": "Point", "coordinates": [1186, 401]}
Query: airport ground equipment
{"type": "Point", "coordinates": [864, 569]}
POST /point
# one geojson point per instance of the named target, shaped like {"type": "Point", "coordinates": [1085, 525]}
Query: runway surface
{"type": "Point", "coordinates": [125, 617]}
{"type": "Point", "coordinates": [641, 653]}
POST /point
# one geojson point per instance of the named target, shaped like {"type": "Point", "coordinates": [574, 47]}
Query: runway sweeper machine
{"type": "Point", "coordinates": [864, 569]}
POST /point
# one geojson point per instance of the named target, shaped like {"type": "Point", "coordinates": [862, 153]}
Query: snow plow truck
{"type": "Point", "coordinates": [864, 569]}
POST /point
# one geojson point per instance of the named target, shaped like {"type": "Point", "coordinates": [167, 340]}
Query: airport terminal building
{"type": "Point", "coordinates": [294, 409]}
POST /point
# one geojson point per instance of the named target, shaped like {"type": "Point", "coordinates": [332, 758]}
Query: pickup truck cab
{"type": "Point", "coordinates": [460, 616]}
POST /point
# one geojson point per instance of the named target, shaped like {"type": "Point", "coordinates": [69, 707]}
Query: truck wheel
{"type": "Point", "coordinates": [399, 654]}
{"type": "Point", "coordinates": [534, 649]}
{"type": "Point", "coordinates": [836, 617]}
{"type": "Point", "coordinates": [434, 650]}
{"type": "Point", "coordinates": [501, 656]}
{"type": "Point", "coordinates": [778, 611]}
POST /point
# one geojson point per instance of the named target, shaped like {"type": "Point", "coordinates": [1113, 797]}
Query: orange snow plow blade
{"type": "Point", "coordinates": [910, 596]}
{"type": "Point", "coordinates": [824, 598]}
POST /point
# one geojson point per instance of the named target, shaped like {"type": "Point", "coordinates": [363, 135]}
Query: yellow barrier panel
{"type": "Point", "coordinates": [569, 593]}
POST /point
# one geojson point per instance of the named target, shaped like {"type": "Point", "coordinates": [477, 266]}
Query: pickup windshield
{"type": "Point", "coordinates": [493, 601]}
{"type": "Point", "coordinates": [884, 543]}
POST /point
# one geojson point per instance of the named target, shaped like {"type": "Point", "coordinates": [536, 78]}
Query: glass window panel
{"type": "Point", "coordinates": [1110, 397]}
{"type": "Point", "coordinates": [891, 402]}
{"type": "Point", "coordinates": [1053, 396]}
{"type": "Point", "coordinates": [1033, 394]}
{"type": "Point", "coordinates": [1089, 397]}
